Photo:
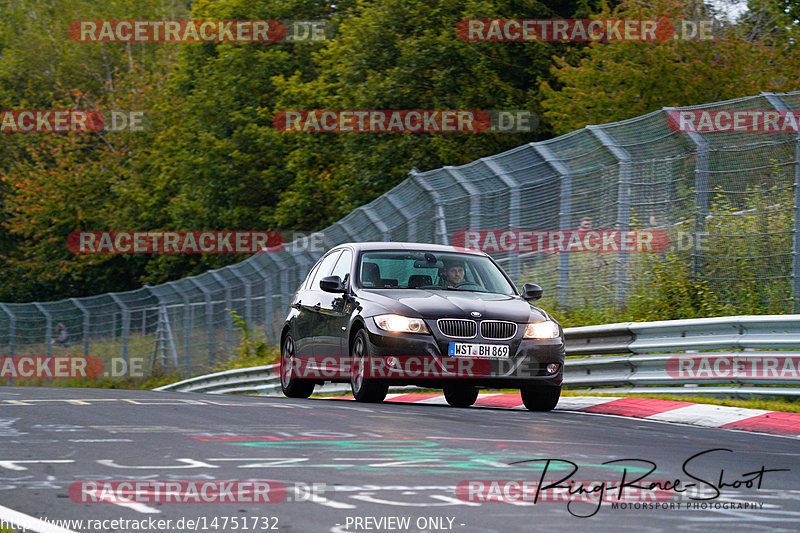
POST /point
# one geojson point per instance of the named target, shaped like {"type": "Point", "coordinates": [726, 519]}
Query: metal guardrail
{"type": "Point", "coordinates": [664, 357]}
{"type": "Point", "coordinates": [254, 379]}
{"type": "Point", "coordinates": [719, 333]}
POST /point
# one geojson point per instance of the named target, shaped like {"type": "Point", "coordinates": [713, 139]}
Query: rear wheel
{"type": "Point", "coordinates": [364, 389]}
{"type": "Point", "coordinates": [291, 385]}
{"type": "Point", "coordinates": [459, 395]}
{"type": "Point", "coordinates": [541, 398]}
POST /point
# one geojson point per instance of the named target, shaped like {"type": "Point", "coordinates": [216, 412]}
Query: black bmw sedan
{"type": "Point", "coordinates": [391, 313]}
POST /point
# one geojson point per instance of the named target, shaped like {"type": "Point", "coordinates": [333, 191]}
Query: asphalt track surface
{"type": "Point", "coordinates": [379, 467]}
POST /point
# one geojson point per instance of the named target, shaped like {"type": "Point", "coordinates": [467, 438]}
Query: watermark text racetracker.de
{"type": "Point", "coordinates": [71, 120]}
{"type": "Point", "coordinates": [405, 121]}
{"type": "Point", "coordinates": [174, 242]}
{"type": "Point", "coordinates": [734, 121]}
{"type": "Point", "coordinates": [550, 241]}
{"type": "Point", "coordinates": [149, 524]}
{"type": "Point", "coordinates": [586, 30]}
{"type": "Point", "coordinates": [462, 361]}
{"type": "Point", "coordinates": [153, 491]}
{"type": "Point", "coordinates": [726, 366]}
{"type": "Point", "coordinates": [68, 367]}
{"type": "Point", "coordinates": [199, 31]}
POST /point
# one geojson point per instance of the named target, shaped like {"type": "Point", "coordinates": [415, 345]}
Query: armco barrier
{"type": "Point", "coordinates": [650, 360]}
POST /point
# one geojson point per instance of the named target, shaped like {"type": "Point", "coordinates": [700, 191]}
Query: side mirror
{"type": "Point", "coordinates": [332, 284]}
{"type": "Point", "coordinates": [531, 291]}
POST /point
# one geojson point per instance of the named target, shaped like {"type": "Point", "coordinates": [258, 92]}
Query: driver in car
{"type": "Point", "coordinates": [453, 273]}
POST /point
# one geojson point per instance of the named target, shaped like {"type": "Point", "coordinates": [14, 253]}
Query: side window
{"type": "Point", "coordinates": [342, 268]}
{"type": "Point", "coordinates": [307, 282]}
{"type": "Point", "coordinates": [324, 269]}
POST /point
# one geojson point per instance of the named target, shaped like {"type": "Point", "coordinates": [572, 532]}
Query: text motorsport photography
{"type": "Point", "coordinates": [632, 490]}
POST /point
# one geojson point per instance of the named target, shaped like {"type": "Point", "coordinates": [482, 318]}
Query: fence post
{"type": "Point", "coordinates": [777, 102]}
{"type": "Point", "coordinates": [85, 324]}
{"type": "Point", "coordinates": [411, 223]}
{"type": "Point", "coordinates": [440, 223]}
{"type": "Point", "coordinates": [283, 283]}
{"type": "Point", "coordinates": [796, 230]}
{"type": "Point", "coordinates": [514, 269]}
{"type": "Point", "coordinates": [701, 204]}
{"type": "Point", "coordinates": [12, 331]}
{"type": "Point", "coordinates": [266, 273]}
{"type": "Point", "coordinates": [48, 332]}
{"type": "Point", "coordinates": [187, 326]}
{"type": "Point", "coordinates": [564, 215]}
{"type": "Point", "coordinates": [375, 219]}
{"type": "Point", "coordinates": [12, 328]}
{"type": "Point", "coordinates": [209, 317]}
{"type": "Point", "coordinates": [248, 308]}
{"type": "Point", "coordinates": [473, 193]}
{"type": "Point", "coordinates": [623, 203]}
{"type": "Point", "coordinates": [228, 305]}
{"type": "Point", "coordinates": [126, 323]}
{"type": "Point", "coordinates": [269, 318]}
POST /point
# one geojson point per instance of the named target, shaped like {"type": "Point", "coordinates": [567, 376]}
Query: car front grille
{"type": "Point", "coordinates": [498, 330]}
{"type": "Point", "coordinates": [457, 327]}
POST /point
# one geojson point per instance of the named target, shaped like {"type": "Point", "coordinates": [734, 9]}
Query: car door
{"type": "Point", "coordinates": [301, 324]}
{"type": "Point", "coordinates": [332, 316]}
{"type": "Point", "coordinates": [308, 306]}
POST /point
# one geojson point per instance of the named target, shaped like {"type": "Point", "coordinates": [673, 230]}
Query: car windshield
{"type": "Point", "coordinates": [432, 271]}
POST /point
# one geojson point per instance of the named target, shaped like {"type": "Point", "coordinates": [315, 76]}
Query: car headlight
{"type": "Point", "coordinates": [541, 330]}
{"type": "Point", "coordinates": [400, 324]}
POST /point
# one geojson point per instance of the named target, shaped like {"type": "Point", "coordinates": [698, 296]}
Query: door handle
{"type": "Point", "coordinates": [317, 307]}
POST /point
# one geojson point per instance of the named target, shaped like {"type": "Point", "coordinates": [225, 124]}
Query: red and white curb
{"type": "Point", "coordinates": [695, 414]}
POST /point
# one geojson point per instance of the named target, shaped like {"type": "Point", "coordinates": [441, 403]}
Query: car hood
{"type": "Point", "coordinates": [453, 304]}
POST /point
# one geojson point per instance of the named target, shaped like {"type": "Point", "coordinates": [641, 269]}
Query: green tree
{"type": "Point", "coordinates": [620, 80]}
{"type": "Point", "coordinates": [220, 164]}
{"type": "Point", "coordinates": [66, 182]}
{"type": "Point", "coordinates": [401, 54]}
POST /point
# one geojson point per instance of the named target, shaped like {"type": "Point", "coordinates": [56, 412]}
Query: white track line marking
{"type": "Point", "coordinates": [12, 464]}
{"type": "Point", "coordinates": [707, 415]}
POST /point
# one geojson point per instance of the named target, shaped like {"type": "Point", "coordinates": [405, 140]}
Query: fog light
{"type": "Point", "coordinates": [552, 368]}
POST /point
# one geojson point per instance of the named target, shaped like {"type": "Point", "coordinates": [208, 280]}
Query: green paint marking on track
{"type": "Point", "coordinates": [446, 460]}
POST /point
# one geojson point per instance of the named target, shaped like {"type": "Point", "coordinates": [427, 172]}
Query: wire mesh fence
{"type": "Point", "coordinates": [729, 201]}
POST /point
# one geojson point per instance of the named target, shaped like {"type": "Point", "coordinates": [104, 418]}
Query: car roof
{"type": "Point", "coordinates": [368, 246]}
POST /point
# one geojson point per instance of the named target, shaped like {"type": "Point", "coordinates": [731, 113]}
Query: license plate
{"type": "Point", "coordinates": [489, 351]}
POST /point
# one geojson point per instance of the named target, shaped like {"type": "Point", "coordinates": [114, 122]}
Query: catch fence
{"type": "Point", "coordinates": [729, 202]}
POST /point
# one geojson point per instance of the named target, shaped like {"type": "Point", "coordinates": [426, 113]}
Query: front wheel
{"type": "Point", "coordinates": [459, 395]}
{"type": "Point", "coordinates": [364, 389]}
{"type": "Point", "coordinates": [540, 398]}
{"type": "Point", "coordinates": [291, 385]}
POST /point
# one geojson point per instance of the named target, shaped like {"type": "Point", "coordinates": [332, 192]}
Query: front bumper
{"type": "Point", "coordinates": [423, 360]}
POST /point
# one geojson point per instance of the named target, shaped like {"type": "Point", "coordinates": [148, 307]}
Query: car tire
{"type": "Point", "coordinates": [459, 395]}
{"type": "Point", "coordinates": [364, 389]}
{"type": "Point", "coordinates": [541, 398]}
{"type": "Point", "coordinates": [292, 387]}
